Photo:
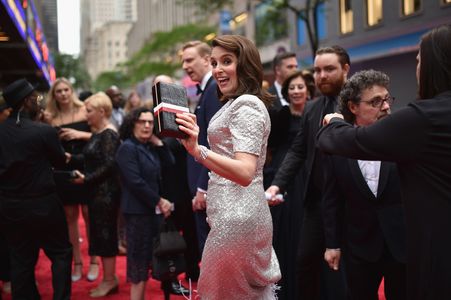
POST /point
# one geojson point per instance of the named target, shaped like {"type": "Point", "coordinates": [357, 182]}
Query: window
{"type": "Point", "coordinates": [410, 7]}
{"type": "Point", "coordinates": [346, 17]}
{"type": "Point", "coordinates": [373, 12]}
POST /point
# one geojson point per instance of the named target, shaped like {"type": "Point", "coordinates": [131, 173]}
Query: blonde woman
{"type": "Point", "coordinates": [101, 179]}
{"type": "Point", "coordinates": [67, 113]}
{"type": "Point", "coordinates": [133, 101]}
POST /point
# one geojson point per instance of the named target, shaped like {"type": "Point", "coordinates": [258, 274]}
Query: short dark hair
{"type": "Point", "coordinates": [435, 67]}
{"type": "Point", "coordinates": [249, 68]}
{"type": "Point", "coordinates": [343, 56]}
{"type": "Point", "coordinates": [127, 127]}
{"type": "Point", "coordinates": [304, 75]}
{"type": "Point", "coordinates": [277, 61]}
{"type": "Point", "coordinates": [353, 87]}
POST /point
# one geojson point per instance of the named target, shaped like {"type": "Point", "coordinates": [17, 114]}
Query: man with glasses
{"type": "Point", "coordinates": [31, 215]}
{"type": "Point", "coordinates": [362, 210]}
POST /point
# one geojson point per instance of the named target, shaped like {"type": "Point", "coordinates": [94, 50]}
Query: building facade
{"type": "Point", "coordinates": [103, 36]}
{"type": "Point", "coordinates": [378, 34]}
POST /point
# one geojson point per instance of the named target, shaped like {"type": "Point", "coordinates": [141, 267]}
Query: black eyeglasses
{"type": "Point", "coordinates": [143, 122]}
{"type": "Point", "coordinates": [378, 101]}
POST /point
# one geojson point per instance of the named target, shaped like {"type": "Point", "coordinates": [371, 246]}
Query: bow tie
{"type": "Point", "coordinates": [199, 90]}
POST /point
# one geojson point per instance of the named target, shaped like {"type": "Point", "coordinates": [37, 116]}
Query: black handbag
{"type": "Point", "coordinates": [169, 241]}
{"type": "Point", "coordinates": [168, 260]}
{"type": "Point", "coordinates": [168, 267]}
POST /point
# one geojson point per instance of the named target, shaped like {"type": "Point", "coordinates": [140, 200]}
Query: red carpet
{"type": "Point", "coordinates": [80, 289]}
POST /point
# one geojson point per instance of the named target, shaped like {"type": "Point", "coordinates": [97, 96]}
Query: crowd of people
{"type": "Point", "coordinates": [310, 189]}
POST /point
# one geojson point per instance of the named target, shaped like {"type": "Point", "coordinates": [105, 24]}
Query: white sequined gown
{"type": "Point", "coordinates": [238, 261]}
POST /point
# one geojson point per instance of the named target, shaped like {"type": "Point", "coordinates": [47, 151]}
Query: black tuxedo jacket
{"type": "Point", "coordinates": [276, 105]}
{"type": "Point", "coordinates": [418, 138]}
{"type": "Point", "coordinates": [207, 107]}
{"type": "Point", "coordinates": [303, 152]}
{"type": "Point", "coordinates": [355, 219]}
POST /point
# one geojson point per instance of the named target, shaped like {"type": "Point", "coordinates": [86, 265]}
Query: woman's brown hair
{"type": "Point", "coordinates": [249, 68]}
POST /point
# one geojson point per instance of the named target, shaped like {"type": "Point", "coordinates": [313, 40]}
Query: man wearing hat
{"type": "Point", "coordinates": [31, 215]}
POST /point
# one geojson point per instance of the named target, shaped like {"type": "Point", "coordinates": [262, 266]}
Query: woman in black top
{"type": "Point", "coordinates": [100, 177]}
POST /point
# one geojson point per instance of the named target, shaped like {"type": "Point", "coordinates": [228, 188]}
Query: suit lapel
{"type": "Point", "coordinates": [383, 177]}
{"type": "Point", "coordinates": [359, 179]}
{"type": "Point", "coordinates": [147, 154]}
{"type": "Point", "coordinates": [201, 98]}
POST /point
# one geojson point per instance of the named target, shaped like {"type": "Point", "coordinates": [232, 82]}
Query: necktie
{"type": "Point", "coordinates": [199, 90]}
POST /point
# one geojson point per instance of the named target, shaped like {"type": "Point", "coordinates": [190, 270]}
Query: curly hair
{"type": "Point", "coordinates": [307, 77]}
{"type": "Point", "coordinates": [127, 127]}
{"type": "Point", "coordinates": [352, 89]}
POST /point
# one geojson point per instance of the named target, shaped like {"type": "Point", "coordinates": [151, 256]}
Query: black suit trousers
{"type": "Point", "coordinates": [364, 277]}
{"type": "Point", "coordinates": [30, 225]}
{"type": "Point", "coordinates": [316, 281]}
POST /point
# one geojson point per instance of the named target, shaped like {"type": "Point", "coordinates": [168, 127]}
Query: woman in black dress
{"type": "Point", "coordinates": [287, 215]}
{"type": "Point", "coordinates": [100, 177]}
{"type": "Point", "coordinates": [68, 114]}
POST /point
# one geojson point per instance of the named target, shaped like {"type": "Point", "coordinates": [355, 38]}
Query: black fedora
{"type": "Point", "coordinates": [15, 93]}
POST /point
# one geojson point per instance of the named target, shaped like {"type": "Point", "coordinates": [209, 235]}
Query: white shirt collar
{"type": "Point", "coordinates": [204, 81]}
{"type": "Point", "coordinates": [279, 93]}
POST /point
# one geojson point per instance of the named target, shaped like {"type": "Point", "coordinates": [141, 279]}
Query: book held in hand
{"type": "Point", "coordinates": [168, 99]}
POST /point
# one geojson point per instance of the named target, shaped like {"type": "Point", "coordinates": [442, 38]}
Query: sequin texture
{"type": "Point", "coordinates": [238, 260]}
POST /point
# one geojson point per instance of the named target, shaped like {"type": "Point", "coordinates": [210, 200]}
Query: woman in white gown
{"type": "Point", "coordinates": [238, 261]}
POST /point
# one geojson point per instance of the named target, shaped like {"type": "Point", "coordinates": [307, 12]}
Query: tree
{"type": "Point", "coordinates": [73, 69]}
{"type": "Point", "coordinates": [160, 54]}
{"type": "Point", "coordinates": [308, 14]}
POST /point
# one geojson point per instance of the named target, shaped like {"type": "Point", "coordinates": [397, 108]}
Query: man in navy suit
{"type": "Point", "coordinates": [196, 64]}
{"type": "Point", "coordinates": [362, 209]}
{"type": "Point", "coordinates": [283, 65]}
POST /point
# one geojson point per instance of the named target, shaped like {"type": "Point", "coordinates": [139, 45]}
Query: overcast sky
{"type": "Point", "coordinates": [69, 26]}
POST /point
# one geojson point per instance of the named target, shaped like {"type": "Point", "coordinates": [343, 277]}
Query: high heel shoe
{"type": "Point", "coordinates": [99, 292]}
{"type": "Point", "coordinates": [78, 271]}
{"type": "Point", "coordinates": [93, 272]}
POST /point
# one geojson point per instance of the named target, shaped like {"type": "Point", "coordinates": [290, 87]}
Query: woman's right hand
{"type": "Point", "coordinates": [165, 207]}
{"type": "Point", "coordinates": [188, 124]}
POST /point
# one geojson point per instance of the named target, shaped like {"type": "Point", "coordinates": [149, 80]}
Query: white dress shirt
{"type": "Point", "coordinates": [370, 171]}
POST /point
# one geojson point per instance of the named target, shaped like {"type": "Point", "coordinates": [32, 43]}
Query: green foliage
{"type": "Point", "coordinates": [72, 67]}
{"type": "Point", "coordinates": [271, 23]}
{"type": "Point", "coordinates": [207, 7]}
{"type": "Point", "coordinates": [160, 54]}
{"type": "Point", "coordinates": [106, 79]}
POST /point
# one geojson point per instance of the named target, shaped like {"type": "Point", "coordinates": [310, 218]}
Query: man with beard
{"type": "Point", "coordinates": [31, 215]}
{"type": "Point", "coordinates": [331, 67]}
{"type": "Point", "coordinates": [362, 209]}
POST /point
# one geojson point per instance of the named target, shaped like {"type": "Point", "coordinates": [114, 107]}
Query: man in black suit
{"type": "Point", "coordinates": [331, 68]}
{"type": "Point", "coordinates": [283, 65]}
{"type": "Point", "coordinates": [31, 215]}
{"type": "Point", "coordinates": [362, 209]}
{"type": "Point", "coordinates": [196, 64]}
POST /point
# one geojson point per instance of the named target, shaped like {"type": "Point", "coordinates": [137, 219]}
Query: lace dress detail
{"type": "Point", "coordinates": [102, 180]}
{"type": "Point", "coordinates": [239, 261]}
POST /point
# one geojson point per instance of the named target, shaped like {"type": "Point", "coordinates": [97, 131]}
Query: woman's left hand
{"type": "Point", "coordinates": [80, 179]}
{"type": "Point", "coordinates": [188, 124]}
{"type": "Point", "coordinates": [154, 140]}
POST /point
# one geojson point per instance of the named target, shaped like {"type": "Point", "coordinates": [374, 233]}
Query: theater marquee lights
{"type": "Point", "coordinates": [26, 20]}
